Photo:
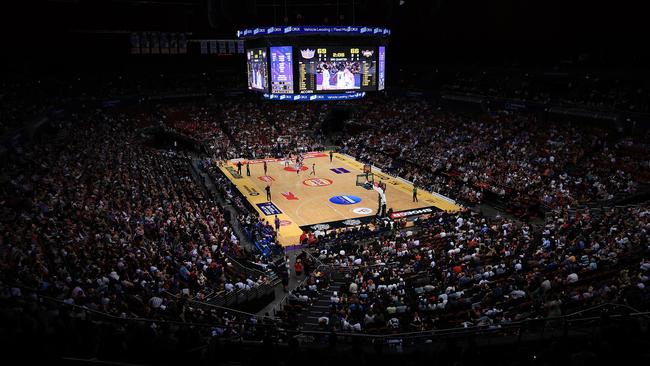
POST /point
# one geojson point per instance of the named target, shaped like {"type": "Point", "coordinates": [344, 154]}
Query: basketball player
{"type": "Point", "coordinates": [264, 167]}
{"type": "Point", "coordinates": [340, 78]}
{"type": "Point", "coordinates": [258, 78]}
{"type": "Point", "coordinates": [326, 77]}
{"type": "Point", "coordinates": [415, 193]}
{"type": "Point", "coordinates": [239, 167]}
{"type": "Point", "coordinates": [313, 169]}
{"type": "Point", "coordinates": [381, 211]}
{"type": "Point", "coordinates": [248, 169]}
{"type": "Point", "coordinates": [268, 192]}
{"type": "Point", "coordinates": [254, 76]}
{"type": "Point", "coordinates": [349, 78]}
{"type": "Point", "coordinates": [331, 155]}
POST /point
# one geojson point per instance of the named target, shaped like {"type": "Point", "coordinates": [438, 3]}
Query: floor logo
{"type": "Point", "coordinates": [362, 211]}
{"type": "Point", "coordinates": [233, 172]}
{"type": "Point", "coordinates": [345, 200]}
{"type": "Point", "coordinates": [285, 222]}
{"type": "Point", "coordinates": [266, 178]}
{"type": "Point", "coordinates": [317, 182]}
{"type": "Point", "coordinates": [293, 169]}
{"type": "Point", "coordinates": [340, 170]}
{"type": "Point", "coordinates": [290, 196]}
{"type": "Point", "coordinates": [269, 209]}
{"type": "Point", "coordinates": [251, 191]}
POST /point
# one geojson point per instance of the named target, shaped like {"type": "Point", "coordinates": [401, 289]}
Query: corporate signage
{"type": "Point", "coordinates": [420, 211]}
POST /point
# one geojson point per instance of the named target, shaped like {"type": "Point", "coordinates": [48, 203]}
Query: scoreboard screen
{"type": "Point", "coordinates": [282, 70]}
{"type": "Point", "coordinates": [336, 68]}
{"type": "Point", "coordinates": [257, 69]}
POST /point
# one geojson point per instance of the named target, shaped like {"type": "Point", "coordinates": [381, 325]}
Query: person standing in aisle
{"type": "Point", "coordinates": [298, 267]}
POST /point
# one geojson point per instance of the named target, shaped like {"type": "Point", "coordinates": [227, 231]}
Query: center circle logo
{"type": "Point", "coordinates": [292, 169]}
{"type": "Point", "coordinates": [317, 182]}
{"type": "Point", "coordinates": [362, 210]}
{"type": "Point", "coordinates": [345, 200]}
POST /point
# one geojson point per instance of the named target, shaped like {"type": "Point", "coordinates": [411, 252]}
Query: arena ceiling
{"type": "Point", "coordinates": [442, 19]}
{"type": "Point", "coordinates": [442, 28]}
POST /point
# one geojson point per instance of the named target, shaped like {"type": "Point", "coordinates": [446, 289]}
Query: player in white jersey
{"type": "Point", "coordinates": [340, 80]}
{"type": "Point", "coordinates": [349, 78]}
{"type": "Point", "coordinates": [326, 77]}
{"type": "Point", "coordinates": [258, 76]}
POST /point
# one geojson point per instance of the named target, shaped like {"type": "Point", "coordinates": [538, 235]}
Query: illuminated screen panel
{"type": "Point", "coordinates": [381, 75]}
{"type": "Point", "coordinates": [257, 69]}
{"type": "Point", "coordinates": [282, 70]}
{"type": "Point", "coordinates": [336, 69]}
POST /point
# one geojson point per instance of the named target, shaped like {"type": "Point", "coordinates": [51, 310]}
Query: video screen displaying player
{"type": "Point", "coordinates": [337, 75]}
{"type": "Point", "coordinates": [257, 69]}
{"type": "Point", "coordinates": [336, 68]}
{"type": "Point", "coordinates": [257, 81]}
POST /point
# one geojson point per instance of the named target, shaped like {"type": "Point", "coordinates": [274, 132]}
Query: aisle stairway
{"type": "Point", "coordinates": [321, 306]}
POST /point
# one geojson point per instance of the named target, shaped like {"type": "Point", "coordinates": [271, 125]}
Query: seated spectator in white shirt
{"type": "Point", "coordinates": [335, 299]}
{"type": "Point", "coordinates": [571, 278]}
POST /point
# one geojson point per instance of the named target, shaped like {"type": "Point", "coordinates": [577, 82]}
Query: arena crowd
{"type": "Point", "coordinates": [96, 220]}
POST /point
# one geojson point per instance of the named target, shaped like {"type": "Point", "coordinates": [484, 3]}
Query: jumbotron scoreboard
{"type": "Point", "coordinates": [315, 63]}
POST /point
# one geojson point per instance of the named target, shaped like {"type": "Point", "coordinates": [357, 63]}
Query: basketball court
{"type": "Point", "coordinates": [330, 198]}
